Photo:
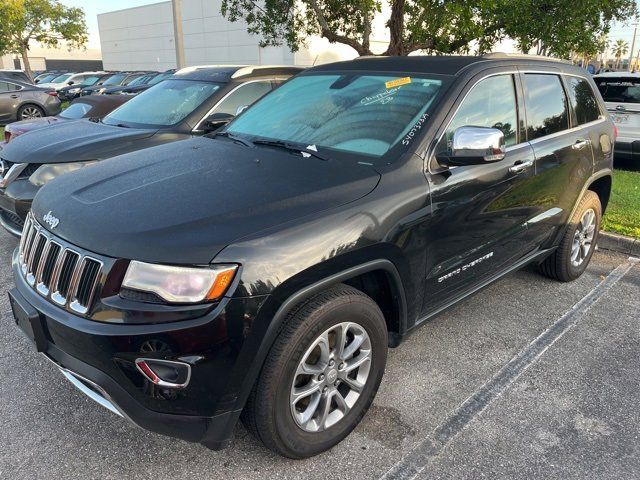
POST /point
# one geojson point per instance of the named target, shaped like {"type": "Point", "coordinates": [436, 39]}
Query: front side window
{"type": "Point", "coordinates": [490, 103]}
{"type": "Point", "coordinates": [114, 80]}
{"type": "Point", "coordinates": [583, 100]}
{"type": "Point", "coordinates": [244, 95]}
{"type": "Point", "coordinates": [547, 111]}
{"type": "Point", "coordinates": [366, 114]}
{"type": "Point", "coordinates": [619, 89]}
{"type": "Point", "coordinates": [163, 105]}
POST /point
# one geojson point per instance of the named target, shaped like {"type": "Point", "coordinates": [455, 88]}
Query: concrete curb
{"type": "Point", "coordinates": [619, 243]}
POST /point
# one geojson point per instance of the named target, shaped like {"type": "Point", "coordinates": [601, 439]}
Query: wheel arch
{"type": "Point", "coordinates": [601, 186]}
{"type": "Point", "coordinates": [363, 274]}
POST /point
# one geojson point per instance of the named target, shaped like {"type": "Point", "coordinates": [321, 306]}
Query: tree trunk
{"type": "Point", "coordinates": [396, 29]}
{"type": "Point", "coordinates": [25, 61]}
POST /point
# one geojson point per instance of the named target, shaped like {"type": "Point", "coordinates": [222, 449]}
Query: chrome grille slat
{"type": "Point", "coordinates": [62, 274]}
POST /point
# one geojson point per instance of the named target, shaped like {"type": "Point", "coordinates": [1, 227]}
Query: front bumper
{"type": "Point", "coordinates": [15, 203]}
{"type": "Point", "coordinates": [98, 358]}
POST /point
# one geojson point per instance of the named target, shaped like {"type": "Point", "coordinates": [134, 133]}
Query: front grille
{"type": "Point", "coordinates": [62, 274]}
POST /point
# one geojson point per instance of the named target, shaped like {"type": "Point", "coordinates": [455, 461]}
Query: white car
{"type": "Point", "coordinates": [67, 79]}
{"type": "Point", "coordinates": [621, 93]}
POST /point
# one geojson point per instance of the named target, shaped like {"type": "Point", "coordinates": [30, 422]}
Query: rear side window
{"type": "Point", "coordinates": [582, 100]}
{"type": "Point", "coordinates": [547, 111]}
{"type": "Point", "coordinates": [8, 87]}
{"type": "Point", "coordinates": [490, 103]}
{"type": "Point", "coordinates": [619, 89]}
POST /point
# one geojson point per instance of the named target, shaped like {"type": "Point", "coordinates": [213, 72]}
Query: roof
{"type": "Point", "coordinates": [435, 64]}
{"type": "Point", "coordinates": [226, 73]}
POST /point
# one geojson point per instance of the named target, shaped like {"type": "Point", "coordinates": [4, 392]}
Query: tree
{"type": "Point", "coordinates": [435, 26]}
{"type": "Point", "coordinates": [620, 49]}
{"type": "Point", "coordinates": [559, 27]}
{"type": "Point", "coordinates": [47, 22]}
{"type": "Point", "coordinates": [431, 25]}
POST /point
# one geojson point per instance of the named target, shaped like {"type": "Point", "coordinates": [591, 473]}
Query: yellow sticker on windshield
{"type": "Point", "coordinates": [398, 82]}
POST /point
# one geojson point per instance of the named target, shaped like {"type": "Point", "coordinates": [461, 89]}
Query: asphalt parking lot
{"type": "Point", "coordinates": [529, 378]}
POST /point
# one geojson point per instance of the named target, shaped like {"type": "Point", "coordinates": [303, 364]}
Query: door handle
{"type": "Point", "coordinates": [521, 166]}
{"type": "Point", "coordinates": [580, 144]}
{"type": "Point", "coordinates": [15, 96]}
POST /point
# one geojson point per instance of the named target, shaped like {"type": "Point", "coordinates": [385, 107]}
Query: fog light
{"type": "Point", "coordinates": [165, 373]}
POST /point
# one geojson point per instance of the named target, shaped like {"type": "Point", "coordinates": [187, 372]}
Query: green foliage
{"type": "Point", "coordinates": [555, 27]}
{"type": "Point", "coordinates": [46, 21]}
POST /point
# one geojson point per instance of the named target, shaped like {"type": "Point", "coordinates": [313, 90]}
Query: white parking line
{"type": "Point", "coordinates": [411, 465]}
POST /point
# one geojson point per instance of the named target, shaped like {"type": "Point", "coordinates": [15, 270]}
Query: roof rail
{"type": "Point", "coordinates": [523, 56]}
{"type": "Point", "coordinates": [249, 70]}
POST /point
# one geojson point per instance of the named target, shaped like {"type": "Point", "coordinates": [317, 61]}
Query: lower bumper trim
{"type": "Point", "coordinates": [91, 390]}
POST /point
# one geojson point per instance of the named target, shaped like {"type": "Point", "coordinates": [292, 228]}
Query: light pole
{"type": "Point", "coordinates": [633, 44]}
{"type": "Point", "coordinates": [178, 36]}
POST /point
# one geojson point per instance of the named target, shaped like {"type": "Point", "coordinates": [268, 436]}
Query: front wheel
{"type": "Point", "coordinates": [321, 374]}
{"type": "Point", "coordinates": [576, 248]}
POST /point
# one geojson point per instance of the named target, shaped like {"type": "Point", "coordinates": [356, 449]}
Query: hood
{"type": "Point", "coordinates": [74, 141]}
{"type": "Point", "coordinates": [183, 202]}
{"type": "Point", "coordinates": [18, 128]}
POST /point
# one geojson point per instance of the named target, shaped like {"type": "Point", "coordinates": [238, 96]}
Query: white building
{"type": "Point", "coordinates": [142, 38]}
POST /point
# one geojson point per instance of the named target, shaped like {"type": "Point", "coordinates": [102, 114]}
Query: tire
{"type": "Point", "coordinates": [563, 265]}
{"type": "Point", "coordinates": [269, 413]}
{"type": "Point", "coordinates": [29, 111]}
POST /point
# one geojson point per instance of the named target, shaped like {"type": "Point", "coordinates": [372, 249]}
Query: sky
{"type": "Point", "coordinates": [92, 8]}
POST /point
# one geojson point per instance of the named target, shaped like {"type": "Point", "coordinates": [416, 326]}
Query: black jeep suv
{"type": "Point", "coordinates": [266, 272]}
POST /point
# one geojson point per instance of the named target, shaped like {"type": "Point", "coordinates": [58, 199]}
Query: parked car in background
{"type": "Point", "coordinates": [67, 79]}
{"type": "Point", "coordinates": [93, 106]}
{"type": "Point", "coordinates": [18, 75]}
{"type": "Point", "coordinates": [22, 101]}
{"type": "Point", "coordinates": [116, 79]}
{"type": "Point", "coordinates": [621, 93]}
{"type": "Point", "coordinates": [267, 270]}
{"type": "Point", "coordinates": [139, 85]}
{"type": "Point", "coordinates": [71, 92]}
{"type": "Point", "coordinates": [195, 101]}
{"type": "Point", "coordinates": [47, 76]}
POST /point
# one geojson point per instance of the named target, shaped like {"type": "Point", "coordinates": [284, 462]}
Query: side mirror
{"type": "Point", "coordinates": [71, 82]}
{"type": "Point", "coordinates": [215, 121]}
{"type": "Point", "coordinates": [474, 146]}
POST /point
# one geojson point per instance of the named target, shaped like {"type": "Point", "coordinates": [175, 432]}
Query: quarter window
{"type": "Point", "coordinates": [490, 103]}
{"type": "Point", "coordinates": [8, 87]}
{"type": "Point", "coordinates": [244, 95]}
{"type": "Point", "coordinates": [582, 100]}
{"type": "Point", "coordinates": [546, 102]}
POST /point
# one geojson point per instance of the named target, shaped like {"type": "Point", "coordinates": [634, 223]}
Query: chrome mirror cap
{"type": "Point", "coordinates": [472, 145]}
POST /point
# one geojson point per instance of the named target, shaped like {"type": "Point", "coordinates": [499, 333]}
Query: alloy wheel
{"type": "Point", "coordinates": [583, 238]}
{"type": "Point", "coordinates": [331, 377]}
{"type": "Point", "coordinates": [31, 112]}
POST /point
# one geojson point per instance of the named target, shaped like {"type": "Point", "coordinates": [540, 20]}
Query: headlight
{"type": "Point", "coordinates": [49, 171]}
{"type": "Point", "coordinates": [180, 284]}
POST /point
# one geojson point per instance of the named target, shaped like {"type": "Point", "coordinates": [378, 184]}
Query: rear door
{"type": "Point", "coordinates": [563, 154]}
{"type": "Point", "coordinates": [9, 100]}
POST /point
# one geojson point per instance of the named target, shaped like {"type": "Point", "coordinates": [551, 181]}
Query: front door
{"type": "Point", "coordinates": [479, 211]}
{"type": "Point", "coordinates": [9, 100]}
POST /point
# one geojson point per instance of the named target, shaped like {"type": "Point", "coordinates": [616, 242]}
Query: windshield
{"type": "Point", "coordinates": [114, 80]}
{"type": "Point", "coordinates": [365, 114]}
{"type": "Point", "coordinates": [619, 89]}
{"type": "Point", "coordinates": [163, 105]}
{"type": "Point", "coordinates": [75, 110]}
{"type": "Point", "coordinates": [91, 80]}
{"type": "Point", "coordinates": [61, 78]}
{"type": "Point", "coordinates": [131, 79]}
{"type": "Point", "coordinates": [159, 78]}
{"type": "Point", "coordinates": [138, 81]}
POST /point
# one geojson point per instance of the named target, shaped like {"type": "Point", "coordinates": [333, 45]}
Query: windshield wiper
{"type": "Point", "coordinates": [309, 151]}
{"type": "Point", "coordinates": [233, 137]}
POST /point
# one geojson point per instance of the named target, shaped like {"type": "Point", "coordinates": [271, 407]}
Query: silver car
{"type": "Point", "coordinates": [621, 93]}
{"type": "Point", "coordinates": [23, 101]}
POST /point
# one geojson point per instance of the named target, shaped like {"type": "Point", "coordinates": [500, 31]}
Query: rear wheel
{"type": "Point", "coordinates": [576, 248]}
{"type": "Point", "coordinates": [321, 374]}
{"type": "Point", "coordinates": [30, 111]}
